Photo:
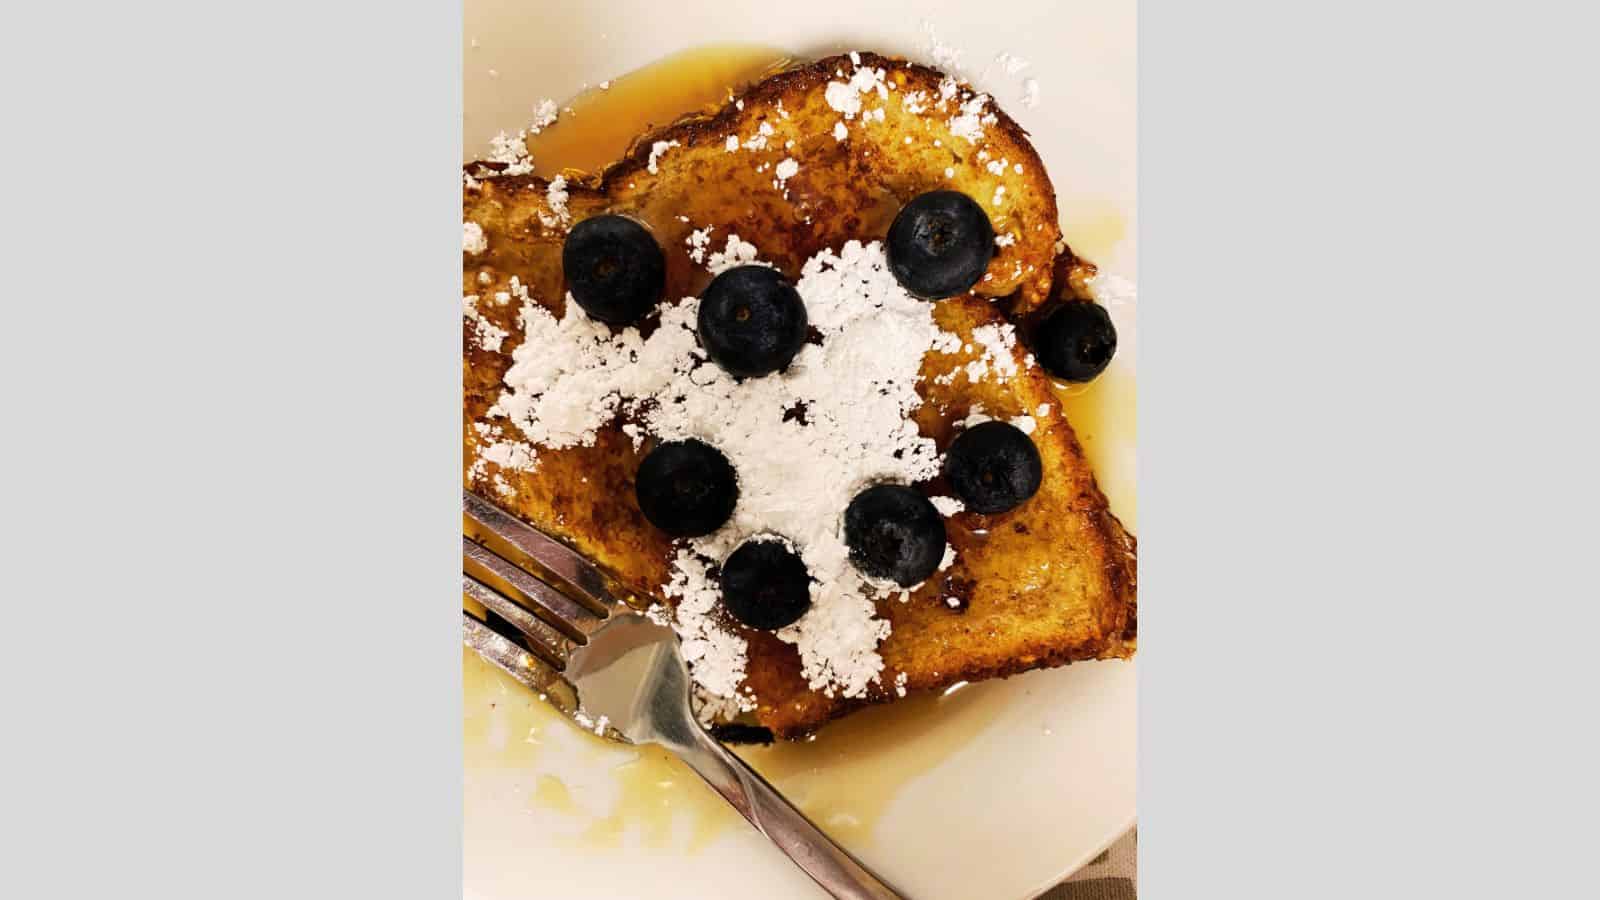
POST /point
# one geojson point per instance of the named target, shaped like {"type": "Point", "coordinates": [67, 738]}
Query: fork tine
{"type": "Point", "coordinates": [549, 604]}
{"type": "Point", "coordinates": [494, 546]}
{"type": "Point", "coordinates": [510, 537]}
{"type": "Point", "coordinates": [516, 662]}
{"type": "Point", "coordinates": [529, 670]}
{"type": "Point", "coordinates": [549, 643]}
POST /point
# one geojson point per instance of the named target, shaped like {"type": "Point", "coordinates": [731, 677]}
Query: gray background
{"type": "Point", "coordinates": [1366, 451]}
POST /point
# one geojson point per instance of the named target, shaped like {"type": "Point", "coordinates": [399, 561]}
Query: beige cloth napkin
{"type": "Point", "coordinates": [1113, 875]}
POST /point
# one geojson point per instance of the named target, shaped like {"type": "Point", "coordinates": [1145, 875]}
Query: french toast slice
{"type": "Point", "coordinates": [1047, 583]}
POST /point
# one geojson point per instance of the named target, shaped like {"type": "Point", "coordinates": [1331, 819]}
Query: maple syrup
{"type": "Point", "coordinates": [514, 750]}
{"type": "Point", "coordinates": [1093, 232]}
{"type": "Point", "coordinates": [847, 776]}
{"type": "Point", "coordinates": [602, 122]}
{"type": "Point", "coordinates": [844, 780]}
{"type": "Point", "coordinates": [1103, 416]}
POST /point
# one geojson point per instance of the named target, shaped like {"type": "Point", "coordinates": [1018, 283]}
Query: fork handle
{"type": "Point", "coordinates": [828, 864]}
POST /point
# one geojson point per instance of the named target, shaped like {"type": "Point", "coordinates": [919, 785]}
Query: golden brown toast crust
{"type": "Point", "coordinates": [1044, 584]}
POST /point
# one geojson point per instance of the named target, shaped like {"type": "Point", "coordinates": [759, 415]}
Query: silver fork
{"type": "Point", "coordinates": [618, 673]}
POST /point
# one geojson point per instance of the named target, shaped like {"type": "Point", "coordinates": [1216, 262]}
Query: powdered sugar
{"type": "Point", "coordinates": [634, 433]}
{"type": "Point", "coordinates": [842, 98]}
{"type": "Point", "coordinates": [488, 335]}
{"type": "Point", "coordinates": [495, 448]}
{"type": "Point", "coordinates": [571, 376]}
{"type": "Point", "coordinates": [656, 149]}
{"type": "Point", "coordinates": [1111, 291]}
{"type": "Point", "coordinates": [758, 141]}
{"type": "Point", "coordinates": [947, 506]}
{"type": "Point", "coordinates": [943, 55]}
{"type": "Point", "coordinates": [472, 240]}
{"type": "Point", "coordinates": [715, 654]}
{"type": "Point", "coordinates": [544, 115]}
{"type": "Point", "coordinates": [698, 240]}
{"type": "Point", "coordinates": [839, 131]}
{"type": "Point", "coordinates": [1117, 295]}
{"type": "Point", "coordinates": [735, 252]}
{"type": "Point", "coordinates": [975, 416]}
{"type": "Point", "coordinates": [969, 122]}
{"type": "Point", "coordinates": [513, 151]}
{"type": "Point", "coordinates": [1011, 62]}
{"type": "Point", "coordinates": [1011, 65]}
{"type": "Point", "coordinates": [999, 343]}
{"type": "Point", "coordinates": [556, 198]}
{"type": "Point", "coordinates": [513, 455]}
{"type": "Point", "coordinates": [845, 96]}
{"type": "Point", "coordinates": [784, 171]}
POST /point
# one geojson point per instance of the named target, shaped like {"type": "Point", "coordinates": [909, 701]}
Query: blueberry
{"type": "Point", "coordinates": [752, 322]}
{"type": "Point", "coordinates": [1076, 341]}
{"type": "Point", "coordinates": [993, 467]}
{"type": "Point", "coordinates": [765, 584]}
{"type": "Point", "coordinates": [614, 269]}
{"type": "Point", "coordinates": [686, 488]}
{"type": "Point", "coordinates": [894, 532]}
{"type": "Point", "coordinates": [940, 244]}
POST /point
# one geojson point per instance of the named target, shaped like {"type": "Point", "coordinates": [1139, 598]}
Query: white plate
{"type": "Point", "coordinates": [998, 791]}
